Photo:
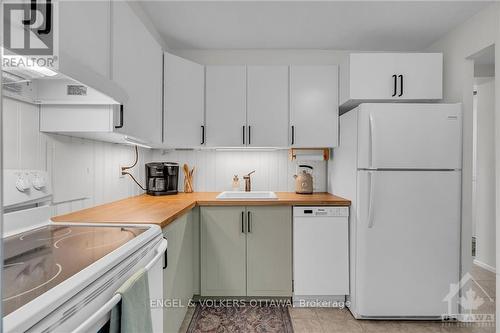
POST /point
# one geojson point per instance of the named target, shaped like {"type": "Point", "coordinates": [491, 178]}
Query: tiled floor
{"type": "Point", "coordinates": [326, 320]}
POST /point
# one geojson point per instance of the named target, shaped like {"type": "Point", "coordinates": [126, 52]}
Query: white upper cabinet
{"type": "Point", "coordinates": [84, 33]}
{"type": "Point", "coordinates": [314, 106]}
{"type": "Point", "coordinates": [393, 76]}
{"type": "Point", "coordinates": [85, 44]}
{"type": "Point", "coordinates": [105, 46]}
{"type": "Point", "coordinates": [226, 106]}
{"type": "Point", "coordinates": [137, 59]}
{"type": "Point", "coordinates": [267, 106]}
{"type": "Point", "coordinates": [184, 103]}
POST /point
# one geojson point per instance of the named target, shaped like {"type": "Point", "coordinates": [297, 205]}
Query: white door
{"type": "Point", "coordinates": [408, 242]}
{"type": "Point", "coordinates": [226, 106]}
{"type": "Point", "coordinates": [137, 67]}
{"type": "Point", "coordinates": [410, 136]}
{"type": "Point", "coordinates": [386, 76]}
{"type": "Point", "coordinates": [371, 76]}
{"type": "Point", "coordinates": [85, 34]}
{"type": "Point", "coordinates": [267, 111]}
{"type": "Point", "coordinates": [314, 106]}
{"type": "Point", "coordinates": [184, 102]}
{"type": "Point", "coordinates": [421, 75]}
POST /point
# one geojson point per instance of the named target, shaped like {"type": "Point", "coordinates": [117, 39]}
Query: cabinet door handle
{"type": "Point", "coordinates": [121, 117]}
{"type": "Point", "coordinates": [249, 134]}
{"type": "Point", "coordinates": [401, 90]}
{"type": "Point", "coordinates": [202, 134]}
{"type": "Point", "coordinates": [249, 222]}
{"type": "Point", "coordinates": [243, 136]}
{"type": "Point", "coordinates": [293, 134]}
{"type": "Point", "coordinates": [395, 91]}
{"type": "Point", "coordinates": [242, 222]}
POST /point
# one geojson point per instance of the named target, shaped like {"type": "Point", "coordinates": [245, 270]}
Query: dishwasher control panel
{"type": "Point", "coordinates": [327, 211]}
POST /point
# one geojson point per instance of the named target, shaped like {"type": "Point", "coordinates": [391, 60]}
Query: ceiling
{"type": "Point", "coordinates": [340, 25]}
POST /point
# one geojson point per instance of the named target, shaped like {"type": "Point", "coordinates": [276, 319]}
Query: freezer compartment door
{"type": "Point", "coordinates": [410, 136]}
{"type": "Point", "coordinates": [408, 242]}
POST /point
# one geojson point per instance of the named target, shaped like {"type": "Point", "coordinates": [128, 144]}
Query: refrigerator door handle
{"type": "Point", "coordinates": [371, 123]}
{"type": "Point", "coordinates": [371, 178]}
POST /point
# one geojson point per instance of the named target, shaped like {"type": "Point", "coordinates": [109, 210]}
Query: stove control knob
{"type": "Point", "coordinates": [39, 182]}
{"type": "Point", "coordinates": [23, 183]}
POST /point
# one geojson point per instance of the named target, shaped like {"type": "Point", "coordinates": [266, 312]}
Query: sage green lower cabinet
{"type": "Point", "coordinates": [179, 278]}
{"type": "Point", "coordinates": [269, 251]}
{"type": "Point", "coordinates": [223, 265]}
{"type": "Point", "coordinates": [246, 251]}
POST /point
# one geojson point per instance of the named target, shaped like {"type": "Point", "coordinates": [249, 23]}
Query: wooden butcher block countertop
{"type": "Point", "coordinates": [162, 210]}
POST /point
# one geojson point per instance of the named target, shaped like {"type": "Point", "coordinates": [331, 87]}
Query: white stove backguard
{"type": "Point", "coordinates": [27, 196]}
{"type": "Point", "coordinates": [25, 187]}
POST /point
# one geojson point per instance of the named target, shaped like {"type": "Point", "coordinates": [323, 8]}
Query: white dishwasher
{"type": "Point", "coordinates": [320, 256]}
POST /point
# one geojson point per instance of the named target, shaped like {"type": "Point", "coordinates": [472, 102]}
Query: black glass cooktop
{"type": "Point", "coordinates": [38, 260]}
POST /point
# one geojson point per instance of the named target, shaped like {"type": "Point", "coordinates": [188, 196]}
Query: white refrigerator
{"type": "Point", "coordinates": [400, 164]}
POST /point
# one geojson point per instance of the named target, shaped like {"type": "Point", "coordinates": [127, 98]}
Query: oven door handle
{"type": "Point", "coordinates": [160, 251]}
{"type": "Point", "coordinates": [109, 305]}
{"type": "Point", "coordinates": [99, 314]}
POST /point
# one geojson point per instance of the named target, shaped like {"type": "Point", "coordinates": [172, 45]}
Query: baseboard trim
{"type": "Point", "coordinates": [485, 266]}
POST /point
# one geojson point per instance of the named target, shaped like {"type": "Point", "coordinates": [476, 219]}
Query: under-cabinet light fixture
{"type": "Point", "coordinates": [136, 142]}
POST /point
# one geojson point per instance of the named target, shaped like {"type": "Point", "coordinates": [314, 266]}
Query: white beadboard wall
{"type": "Point", "coordinates": [214, 169]}
{"type": "Point", "coordinates": [84, 173]}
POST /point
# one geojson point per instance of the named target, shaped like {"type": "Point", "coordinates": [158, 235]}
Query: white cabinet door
{"type": "Point", "coordinates": [84, 33]}
{"type": "Point", "coordinates": [137, 67]}
{"type": "Point", "coordinates": [226, 106]}
{"type": "Point", "coordinates": [420, 76]}
{"type": "Point", "coordinates": [314, 106]}
{"type": "Point", "coordinates": [267, 112]}
{"type": "Point", "coordinates": [395, 76]}
{"type": "Point", "coordinates": [372, 76]}
{"type": "Point", "coordinates": [184, 102]}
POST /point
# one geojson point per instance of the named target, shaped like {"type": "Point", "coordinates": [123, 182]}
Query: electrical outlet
{"type": "Point", "coordinates": [121, 175]}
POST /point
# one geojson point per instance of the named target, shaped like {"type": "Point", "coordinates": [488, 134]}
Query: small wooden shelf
{"type": "Point", "coordinates": [293, 152]}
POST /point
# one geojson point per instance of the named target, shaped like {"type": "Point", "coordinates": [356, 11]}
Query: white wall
{"type": "Point", "coordinates": [84, 173]}
{"type": "Point", "coordinates": [214, 169]}
{"type": "Point", "coordinates": [485, 172]}
{"type": "Point", "coordinates": [475, 34]}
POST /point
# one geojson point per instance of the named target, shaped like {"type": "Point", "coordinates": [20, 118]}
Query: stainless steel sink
{"type": "Point", "coordinates": [240, 195]}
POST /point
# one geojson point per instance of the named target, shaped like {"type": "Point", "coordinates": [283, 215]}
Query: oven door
{"type": "Point", "coordinates": [100, 320]}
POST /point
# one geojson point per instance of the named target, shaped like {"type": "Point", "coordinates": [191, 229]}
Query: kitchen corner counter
{"type": "Point", "coordinates": [162, 210]}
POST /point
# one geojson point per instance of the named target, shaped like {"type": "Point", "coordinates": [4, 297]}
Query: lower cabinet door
{"type": "Point", "coordinates": [269, 251]}
{"type": "Point", "coordinates": [223, 257]}
{"type": "Point", "coordinates": [178, 276]}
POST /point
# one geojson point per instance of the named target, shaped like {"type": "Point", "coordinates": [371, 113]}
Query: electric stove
{"type": "Point", "coordinates": [40, 259]}
{"type": "Point", "coordinates": [57, 276]}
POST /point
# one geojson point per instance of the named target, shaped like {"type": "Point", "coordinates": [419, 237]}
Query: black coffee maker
{"type": "Point", "coordinates": [162, 178]}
